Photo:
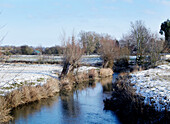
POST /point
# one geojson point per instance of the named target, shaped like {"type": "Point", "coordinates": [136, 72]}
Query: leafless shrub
{"type": "Point", "coordinates": [155, 47]}
{"type": "Point", "coordinates": [105, 72]}
{"type": "Point", "coordinates": [109, 51]}
{"type": "Point", "coordinates": [82, 76]}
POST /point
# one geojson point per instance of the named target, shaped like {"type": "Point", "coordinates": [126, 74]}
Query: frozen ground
{"type": "Point", "coordinates": [13, 76]}
{"type": "Point", "coordinates": [154, 85]}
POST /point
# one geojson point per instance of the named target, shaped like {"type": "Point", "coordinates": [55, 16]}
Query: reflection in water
{"type": "Point", "coordinates": [81, 106]}
{"type": "Point", "coordinates": [26, 110]}
{"type": "Point", "coordinates": [107, 84]}
{"type": "Point", "coordinates": [70, 107]}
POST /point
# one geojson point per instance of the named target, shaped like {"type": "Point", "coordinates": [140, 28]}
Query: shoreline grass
{"type": "Point", "coordinates": [25, 95]}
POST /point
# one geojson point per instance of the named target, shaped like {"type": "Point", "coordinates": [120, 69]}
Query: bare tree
{"type": "Point", "coordinates": [155, 47]}
{"type": "Point", "coordinates": [138, 39]}
{"type": "Point", "coordinates": [71, 55]}
{"type": "Point", "coordinates": [109, 51]}
{"type": "Point", "coordinates": [90, 41]}
{"type": "Point", "coordinates": [140, 35]}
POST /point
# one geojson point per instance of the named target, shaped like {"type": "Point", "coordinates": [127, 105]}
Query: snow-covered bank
{"type": "Point", "coordinates": [154, 85]}
{"type": "Point", "coordinates": [13, 76]}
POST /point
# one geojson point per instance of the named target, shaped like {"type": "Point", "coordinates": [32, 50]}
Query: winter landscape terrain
{"type": "Point", "coordinates": [154, 86]}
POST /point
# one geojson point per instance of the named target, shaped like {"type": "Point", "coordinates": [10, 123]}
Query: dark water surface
{"type": "Point", "coordinates": [83, 106]}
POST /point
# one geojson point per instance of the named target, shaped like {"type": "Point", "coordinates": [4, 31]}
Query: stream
{"type": "Point", "coordinates": [83, 106]}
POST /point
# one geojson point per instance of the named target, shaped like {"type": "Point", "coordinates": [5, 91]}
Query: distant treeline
{"type": "Point", "coordinates": [29, 50]}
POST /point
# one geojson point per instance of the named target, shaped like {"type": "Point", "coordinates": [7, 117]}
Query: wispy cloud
{"type": "Point", "coordinates": [7, 5]}
{"type": "Point", "coordinates": [109, 8]}
{"type": "Point", "coordinates": [166, 2]}
{"type": "Point", "coordinates": [163, 2]}
{"type": "Point", "coordinates": [129, 1]}
{"type": "Point", "coordinates": [149, 12]}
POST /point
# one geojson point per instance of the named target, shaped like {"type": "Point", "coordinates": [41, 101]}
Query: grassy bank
{"type": "Point", "coordinates": [130, 107]}
{"type": "Point", "coordinates": [28, 93]}
{"type": "Point", "coordinates": [25, 95]}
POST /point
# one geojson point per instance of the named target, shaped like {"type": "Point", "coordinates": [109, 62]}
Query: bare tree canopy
{"type": "Point", "coordinates": [140, 35]}
{"type": "Point", "coordinates": [90, 41]}
{"type": "Point", "coordinates": [155, 47]}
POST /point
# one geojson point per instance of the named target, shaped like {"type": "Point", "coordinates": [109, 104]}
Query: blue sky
{"type": "Point", "coordinates": [41, 22]}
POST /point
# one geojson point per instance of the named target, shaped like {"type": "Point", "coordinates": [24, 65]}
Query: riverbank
{"type": "Point", "coordinates": [24, 83]}
{"type": "Point", "coordinates": [142, 96]}
{"type": "Point", "coordinates": [84, 105]}
{"type": "Point", "coordinates": [154, 86]}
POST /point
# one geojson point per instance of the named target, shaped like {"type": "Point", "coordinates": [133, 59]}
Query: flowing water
{"type": "Point", "coordinates": [83, 106]}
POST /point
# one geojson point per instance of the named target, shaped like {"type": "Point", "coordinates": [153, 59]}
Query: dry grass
{"type": "Point", "coordinates": [24, 95]}
{"type": "Point", "coordinates": [4, 112]}
{"type": "Point", "coordinates": [105, 72]}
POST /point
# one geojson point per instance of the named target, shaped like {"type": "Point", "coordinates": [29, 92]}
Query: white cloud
{"type": "Point", "coordinates": [164, 2]}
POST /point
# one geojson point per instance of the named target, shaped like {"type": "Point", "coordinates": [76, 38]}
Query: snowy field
{"type": "Point", "coordinates": [86, 59]}
{"type": "Point", "coordinates": [13, 76]}
{"type": "Point", "coordinates": [154, 85]}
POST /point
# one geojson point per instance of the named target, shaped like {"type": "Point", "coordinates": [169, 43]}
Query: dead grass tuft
{"type": "Point", "coordinates": [4, 111]}
{"type": "Point", "coordinates": [14, 98]}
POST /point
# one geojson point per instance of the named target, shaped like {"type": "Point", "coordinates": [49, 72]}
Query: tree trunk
{"type": "Point", "coordinates": [105, 64]}
{"type": "Point", "coordinates": [67, 68]}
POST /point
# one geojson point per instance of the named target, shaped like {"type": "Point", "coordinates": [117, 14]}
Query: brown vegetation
{"type": "Point", "coordinates": [109, 51]}
{"type": "Point", "coordinates": [4, 111]}
{"type": "Point", "coordinates": [105, 72]}
{"type": "Point", "coordinates": [25, 95]}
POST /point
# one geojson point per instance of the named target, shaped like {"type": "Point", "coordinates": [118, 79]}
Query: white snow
{"type": "Point", "coordinates": [12, 76]}
{"type": "Point", "coordinates": [154, 85]}
{"type": "Point", "coordinates": [84, 68]}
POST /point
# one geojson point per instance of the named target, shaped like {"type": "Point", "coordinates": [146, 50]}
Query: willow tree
{"type": "Point", "coordinates": [71, 55]}
{"type": "Point", "coordinates": [165, 29]}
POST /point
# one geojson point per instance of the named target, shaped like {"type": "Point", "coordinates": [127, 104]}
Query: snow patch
{"type": "Point", "coordinates": [154, 85]}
